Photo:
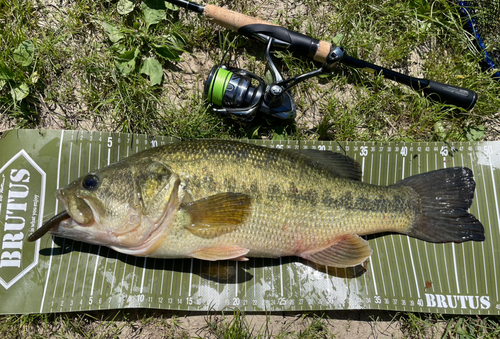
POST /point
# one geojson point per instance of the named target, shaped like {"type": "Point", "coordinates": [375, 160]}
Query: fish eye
{"type": "Point", "coordinates": [90, 182]}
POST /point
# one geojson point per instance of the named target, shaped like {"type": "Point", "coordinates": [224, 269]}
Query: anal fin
{"type": "Point", "coordinates": [347, 251]}
{"type": "Point", "coordinates": [221, 253]}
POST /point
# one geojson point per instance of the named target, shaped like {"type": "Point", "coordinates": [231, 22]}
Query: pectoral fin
{"type": "Point", "coordinates": [221, 253]}
{"type": "Point", "coordinates": [218, 214]}
{"type": "Point", "coordinates": [348, 251]}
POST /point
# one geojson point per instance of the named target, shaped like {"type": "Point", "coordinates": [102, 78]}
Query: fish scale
{"type": "Point", "coordinates": [309, 218]}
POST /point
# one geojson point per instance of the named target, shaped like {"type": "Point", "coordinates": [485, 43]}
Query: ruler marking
{"type": "Point", "coordinates": [64, 239]}
{"type": "Point", "coordinates": [71, 254]}
{"type": "Point", "coordinates": [462, 247]}
{"type": "Point", "coordinates": [162, 277]}
{"type": "Point", "coordinates": [417, 245]}
{"type": "Point", "coordinates": [99, 247]}
{"type": "Point", "coordinates": [79, 160]}
{"type": "Point", "coordinates": [113, 277]}
{"type": "Point", "coordinates": [408, 240]}
{"type": "Point", "coordinates": [55, 212]}
{"type": "Point", "coordinates": [104, 274]}
{"type": "Point", "coordinates": [379, 262]}
{"type": "Point", "coordinates": [90, 155]}
{"type": "Point", "coordinates": [95, 270]}
{"type": "Point", "coordinates": [190, 277]}
{"type": "Point", "coordinates": [434, 245]}
{"type": "Point", "coordinates": [182, 275]}
{"type": "Point", "coordinates": [85, 275]}
{"type": "Point", "coordinates": [392, 237]}
{"type": "Point", "coordinates": [370, 261]}
{"type": "Point", "coordinates": [453, 250]}
{"type": "Point", "coordinates": [374, 243]}
{"type": "Point", "coordinates": [281, 276]}
{"type": "Point", "coordinates": [445, 256]}
{"type": "Point", "coordinates": [384, 238]}
{"type": "Point", "coordinates": [172, 277]}
{"type": "Point", "coordinates": [94, 275]}
{"type": "Point", "coordinates": [488, 216]}
{"type": "Point", "coordinates": [479, 218]}
{"type": "Point", "coordinates": [143, 275]}
{"type": "Point", "coordinates": [132, 283]}
{"type": "Point", "coordinates": [497, 219]}
{"type": "Point", "coordinates": [152, 280]}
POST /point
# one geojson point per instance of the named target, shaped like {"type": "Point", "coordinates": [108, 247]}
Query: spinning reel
{"type": "Point", "coordinates": [237, 92]}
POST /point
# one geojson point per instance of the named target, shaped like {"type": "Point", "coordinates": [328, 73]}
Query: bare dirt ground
{"type": "Point", "coordinates": [167, 324]}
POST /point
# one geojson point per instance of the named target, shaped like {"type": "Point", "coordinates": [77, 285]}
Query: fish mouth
{"type": "Point", "coordinates": [80, 223]}
{"type": "Point", "coordinates": [76, 212]}
{"type": "Point", "coordinates": [78, 209]}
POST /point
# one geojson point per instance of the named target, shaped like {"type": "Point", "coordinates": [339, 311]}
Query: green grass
{"type": "Point", "coordinates": [77, 78]}
{"type": "Point", "coordinates": [74, 81]}
{"type": "Point", "coordinates": [237, 325]}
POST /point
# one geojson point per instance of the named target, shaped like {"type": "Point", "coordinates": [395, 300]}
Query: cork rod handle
{"type": "Point", "coordinates": [236, 21]}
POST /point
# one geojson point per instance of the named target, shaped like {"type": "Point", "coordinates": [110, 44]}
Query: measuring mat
{"type": "Point", "coordinates": [403, 274]}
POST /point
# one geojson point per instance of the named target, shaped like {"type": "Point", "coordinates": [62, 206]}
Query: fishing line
{"type": "Point", "coordinates": [483, 17]}
{"type": "Point", "coordinates": [219, 85]}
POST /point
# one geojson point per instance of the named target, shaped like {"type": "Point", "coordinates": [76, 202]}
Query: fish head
{"type": "Point", "coordinates": [127, 205]}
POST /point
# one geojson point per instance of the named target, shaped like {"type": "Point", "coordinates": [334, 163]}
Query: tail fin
{"type": "Point", "coordinates": [445, 197]}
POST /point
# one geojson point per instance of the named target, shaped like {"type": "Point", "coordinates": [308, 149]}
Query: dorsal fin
{"type": "Point", "coordinates": [336, 163]}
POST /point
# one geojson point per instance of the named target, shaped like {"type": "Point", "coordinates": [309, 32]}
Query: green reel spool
{"type": "Point", "coordinates": [217, 83]}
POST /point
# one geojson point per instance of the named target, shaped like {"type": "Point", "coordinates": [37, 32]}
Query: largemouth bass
{"type": "Point", "coordinates": [217, 200]}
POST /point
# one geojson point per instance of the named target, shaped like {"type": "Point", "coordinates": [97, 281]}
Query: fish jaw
{"type": "Point", "coordinates": [88, 233]}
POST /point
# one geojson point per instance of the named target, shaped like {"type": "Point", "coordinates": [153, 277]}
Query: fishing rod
{"type": "Point", "coordinates": [235, 91]}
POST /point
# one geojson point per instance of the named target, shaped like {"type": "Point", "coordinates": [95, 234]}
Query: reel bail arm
{"type": "Point", "coordinates": [274, 93]}
{"type": "Point", "coordinates": [233, 91]}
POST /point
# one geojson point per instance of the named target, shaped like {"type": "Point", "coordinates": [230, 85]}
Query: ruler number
{"type": "Point", "coordinates": [404, 151]}
{"type": "Point", "coordinates": [364, 151]}
{"type": "Point", "coordinates": [444, 151]}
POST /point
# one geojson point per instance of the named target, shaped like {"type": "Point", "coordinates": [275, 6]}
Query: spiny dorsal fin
{"type": "Point", "coordinates": [218, 214]}
{"type": "Point", "coordinates": [336, 163]}
{"type": "Point", "coordinates": [348, 251]}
